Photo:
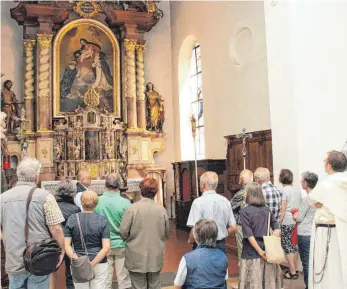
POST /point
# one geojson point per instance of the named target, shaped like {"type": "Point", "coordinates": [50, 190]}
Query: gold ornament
{"type": "Point", "coordinates": [92, 98]}
{"type": "Point", "coordinates": [140, 48]}
{"type": "Point", "coordinates": [44, 40]}
{"type": "Point", "coordinates": [87, 9]}
{"type": "Point", "coordinates": [130, 45]}
{"type": "Point", "coordinates": [151, 7]}
{"type": "Point", "coordinates": [29, 45]}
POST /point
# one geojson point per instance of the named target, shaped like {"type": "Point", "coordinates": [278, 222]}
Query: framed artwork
{"type": "Point", "coordinates": [86, 68]}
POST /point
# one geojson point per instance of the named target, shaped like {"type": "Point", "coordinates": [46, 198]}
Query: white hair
{"type": "Point", "coordinates": [28, 169]}
{"type": "Point", "coordinates": [210, 179]}
{"type": "Point", "coordinates": [262, 174]}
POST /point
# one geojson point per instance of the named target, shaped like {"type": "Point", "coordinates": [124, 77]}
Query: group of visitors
{"type": "Point", "coordinates": [315, 225]}
{"type": "Point", "coordinates": [108, 230]}
{"type": "Point", "coordinates": [111, 233]}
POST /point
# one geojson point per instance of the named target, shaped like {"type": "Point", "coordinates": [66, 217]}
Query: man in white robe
{"type": "Point", "coordinates": [328, 253]}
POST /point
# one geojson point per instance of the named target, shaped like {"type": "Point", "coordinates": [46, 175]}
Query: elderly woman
{"type": "Point", "coordinates": [255, 272]}
{"type": "Point", "coordinates": [237, 203]}
{"type": "Point", "coordinates": [145, 227]}
{"type": "Point", "coordinates": [96, 236]}
{"type": "Point", "coordinates": [304, 217]}
{"type": "Point", "coordinates": [289, 196]}
{"type": "Point", "coordinates": [206, 266]}
{"type": "Point", "coordinates": [64, 194]}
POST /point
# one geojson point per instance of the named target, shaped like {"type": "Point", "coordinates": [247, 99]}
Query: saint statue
{"type": "Point", "coordinates": [155, 109]}
{"type": "Point", "coordinates": [9, 105]}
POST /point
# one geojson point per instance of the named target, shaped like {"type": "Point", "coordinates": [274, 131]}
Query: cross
{"type": "Point", "coordinates": [244, 136]}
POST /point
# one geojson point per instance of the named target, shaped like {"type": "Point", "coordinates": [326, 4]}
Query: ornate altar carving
{"type": "Point", "coordinates": [89, 139]}
{"type": "Point", "coordinates": [99, 110]}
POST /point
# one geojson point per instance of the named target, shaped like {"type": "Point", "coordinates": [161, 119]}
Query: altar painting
{"type": "Point", "coordinates": [87, 61]}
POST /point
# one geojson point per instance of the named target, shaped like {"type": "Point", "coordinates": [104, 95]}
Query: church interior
{"type": "Point", "coordinates": [170, 90]}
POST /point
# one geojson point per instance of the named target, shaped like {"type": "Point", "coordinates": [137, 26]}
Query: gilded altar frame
{"type": "Point", "coordinates": [115, 68]}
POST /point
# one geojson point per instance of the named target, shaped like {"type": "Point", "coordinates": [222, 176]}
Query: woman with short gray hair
{"type": "Point", "coordinates": [206, 266]}
{"type": "Point", "coordinates": [64, 194]}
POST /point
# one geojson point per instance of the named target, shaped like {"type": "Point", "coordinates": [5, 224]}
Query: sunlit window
{"type": "Point", "coordinates": [197, 100]}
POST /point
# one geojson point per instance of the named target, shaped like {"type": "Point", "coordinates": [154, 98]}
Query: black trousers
{"type": "Point", "coordinates": [68, 276]}
{"type": "Point", "coordinates": [220, 244]}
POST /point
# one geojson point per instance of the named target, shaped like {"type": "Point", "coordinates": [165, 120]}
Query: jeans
{"type": "Point", "coordinates": [27, 281]}
{"type": "Point", "coordinates": [68, 276]}
{"type": "Point", "coordinates": [220, 244]}
{"type": "Point", "coordinates": [304, 251]}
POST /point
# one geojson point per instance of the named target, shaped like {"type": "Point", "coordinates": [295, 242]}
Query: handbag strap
{"type": "Point", "coordinates": [26, 227]}
{"type": "Point", "coordinates": [81, 234]}
{"type": "Point", "coordinates": [268, 225]}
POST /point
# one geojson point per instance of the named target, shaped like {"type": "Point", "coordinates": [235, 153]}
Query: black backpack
{"type": "Point", "coordinates": [40, 258]}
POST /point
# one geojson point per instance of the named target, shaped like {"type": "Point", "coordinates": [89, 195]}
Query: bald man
{"type": "Point", "coordinates": [212, 206]}
{"type": "Point", "coordinates": [84, 180]}
{"type": "Point", "coordinates": [237, 203]}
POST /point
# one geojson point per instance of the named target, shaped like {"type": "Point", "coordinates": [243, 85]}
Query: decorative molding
{"type": "Point", "coordinates": [130, 45]}
{"type": "Point", "coordinates": [29, 45]}
{"type": "Point", "coordinates": [44, 40]}
{"type": "Point", "coordinates": [140, 48]}
{"type": "Point", "coordinates": [87, 9]}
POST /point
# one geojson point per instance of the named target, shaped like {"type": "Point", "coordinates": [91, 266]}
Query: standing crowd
{"type": "Point", "coordinates": [98, 234]}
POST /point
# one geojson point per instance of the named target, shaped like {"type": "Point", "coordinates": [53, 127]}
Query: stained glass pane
{"type": "Point", "coordinates": [199, 81]}
{"type": "Point", "coordinates": [198, 59]}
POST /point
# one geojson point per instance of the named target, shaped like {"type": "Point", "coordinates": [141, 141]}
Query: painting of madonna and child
{"type": "Point", "coordinates": [88, 59]}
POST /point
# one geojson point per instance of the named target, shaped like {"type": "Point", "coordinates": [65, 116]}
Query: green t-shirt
{"type": "Point", "coordinates": [112, 205]}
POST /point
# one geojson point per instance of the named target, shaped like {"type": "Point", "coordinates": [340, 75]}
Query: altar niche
{"type": "Point", "coordinates": [92, 140]}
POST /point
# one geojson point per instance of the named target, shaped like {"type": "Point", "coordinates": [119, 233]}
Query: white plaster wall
{"type": "Point", "coordinates": [12, 64]}
{"type": "Point", "coordinates": [235, 90]}
{"type": "Point", "coordinates": [307, 59]}
{"type": "Point", "coordinates": [158, 70]}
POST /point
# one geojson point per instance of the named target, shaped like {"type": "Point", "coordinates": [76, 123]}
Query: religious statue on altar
{"type": "Point", "coordinates": [155, 109]}
{"type": "Point", "coordinates": [9, 105]}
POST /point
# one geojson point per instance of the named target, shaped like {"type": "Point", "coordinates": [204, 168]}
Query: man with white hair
{"type": "Point", "coordinates": [212, 206]}
{"type": "Point", "coordinates": [44, 218]}
{"type": "Point", "coordinates": [273, 197]}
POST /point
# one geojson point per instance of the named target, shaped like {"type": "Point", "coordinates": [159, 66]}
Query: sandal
{"type": "Point", "coordinates": [288, 275]}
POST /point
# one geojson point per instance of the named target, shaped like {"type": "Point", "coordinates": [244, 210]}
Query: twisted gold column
{"type": "Point", "coordinates": [141, 104]}
{"type": "Point", "coordinates": [130, 90]}
{"type": "Point", "coordinates": [44, 94]}
{"type": "Point", "coordinates": [29, 83]}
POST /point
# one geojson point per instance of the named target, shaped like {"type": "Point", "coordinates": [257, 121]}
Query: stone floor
{"type": "Point", "coordinates": [175, 247]}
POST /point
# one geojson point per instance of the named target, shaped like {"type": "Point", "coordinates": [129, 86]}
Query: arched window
{"type": "Point", "coordinates": [197, 101]}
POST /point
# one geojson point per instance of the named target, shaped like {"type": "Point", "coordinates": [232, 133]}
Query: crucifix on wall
{"type": "Point", "coordinates": [244, 137]}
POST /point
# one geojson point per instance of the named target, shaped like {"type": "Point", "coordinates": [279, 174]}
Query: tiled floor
{"type": "Point", "coordinates": [175, 247]}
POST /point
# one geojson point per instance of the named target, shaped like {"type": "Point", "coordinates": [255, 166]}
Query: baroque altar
{"type": "Point", "coordinates": [85, 100]}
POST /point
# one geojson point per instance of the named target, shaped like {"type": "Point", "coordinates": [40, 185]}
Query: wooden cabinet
{"type": "Point", "coordinates": [185, 185]}
{"type": "Point", "coordinates": [259, 154]}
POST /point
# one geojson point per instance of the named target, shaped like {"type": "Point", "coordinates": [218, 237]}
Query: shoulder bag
{"type": "Point", "coordinates": [273, 247]}
{"type": "Point", "coordinates": [40, 258]}
{"type": "Point", "coordinates": [81, 269]}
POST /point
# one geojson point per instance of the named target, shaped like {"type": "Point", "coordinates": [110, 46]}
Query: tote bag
{"type": "Point", "coordinates": [81, 268]}
{"type": "Point", "coordinates": [273, 247]}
